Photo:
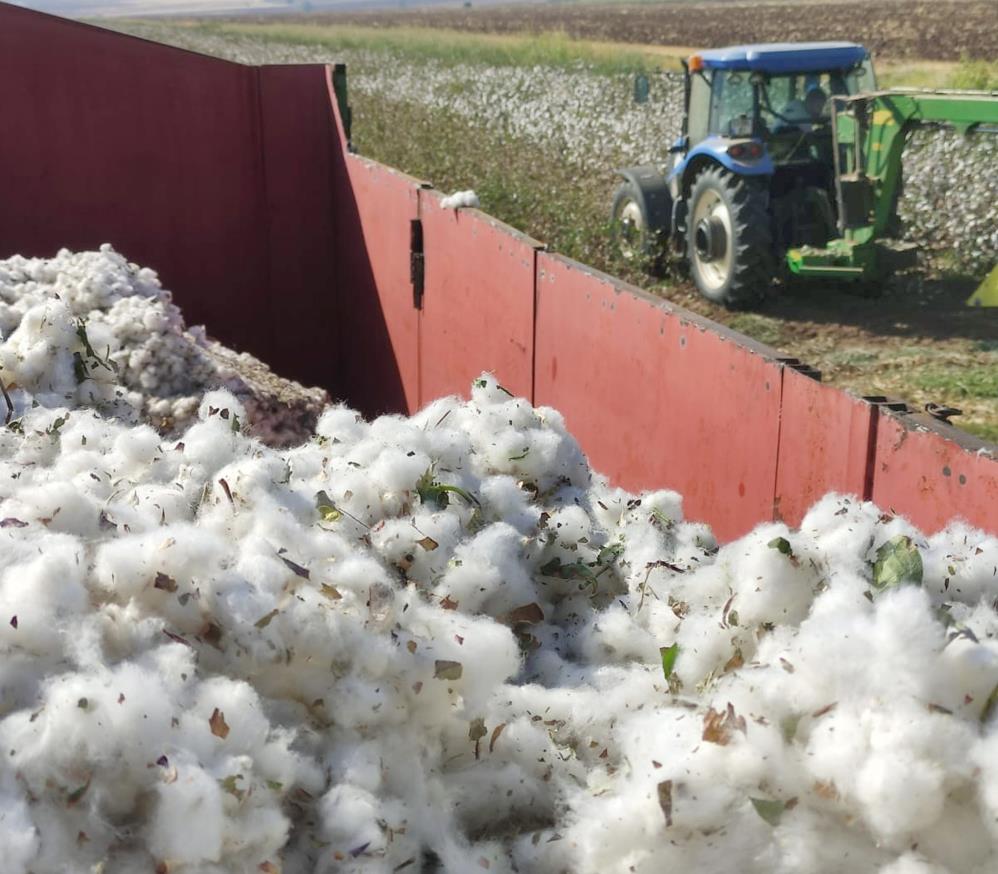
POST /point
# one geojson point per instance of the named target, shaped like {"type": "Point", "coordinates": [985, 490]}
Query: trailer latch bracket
{"type": "Point", "coordinates": [799, 366]}
{"type": "Point", "coordinates": [417, 262]}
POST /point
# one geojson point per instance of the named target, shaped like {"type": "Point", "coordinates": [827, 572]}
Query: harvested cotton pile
{"type": "Point", "coordinates": [442, 643]}
{"type": "Point", "coordinates": [91, 329]}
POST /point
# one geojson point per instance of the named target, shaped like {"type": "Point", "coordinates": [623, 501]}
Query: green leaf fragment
{"type": "Point", "coordinates": [477, 729]}
{"type": "Point", "coordinates": [77, 794]}
{"type": "Point", "coordinates": [989, 705]}
{"type": "Point", "coordinates": [325, 506]}
{"type": "Point", "coordinates": [781, 544]}
{"type": "Point", "coordinates": [789, 726]}
{"type": "Point", "coordinates": [770, 811]}
{"type": "Point", "coordinates": [438, 494]}
{"type": "Point", "coordinates": [444, 669]}
{"type": "Point", "coordinates": [229, 785]}
{"type": "Point", "coordinates": [898, 563]}
{"type": "Point", "coordinates": [669, 655]}
{"type": "Point", "coordinates": [264, 621]}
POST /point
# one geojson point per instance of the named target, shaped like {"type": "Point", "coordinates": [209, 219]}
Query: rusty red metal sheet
{"type": "Point", "coordinates": [932, 472]}
{"type": "Point", "coordinates": [377, 327]}
{"type": "Point", "coordinates": [478, 303]}
{"type": "Point", "coordinates": [824, 445]}
{"type": "Point", "coordinates": [657, 397]}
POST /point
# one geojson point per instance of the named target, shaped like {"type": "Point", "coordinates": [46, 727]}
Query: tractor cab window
{"type": "Point", "coordinates": [731, 104]}
{"type": "Point", "coordinates": [744, 103]}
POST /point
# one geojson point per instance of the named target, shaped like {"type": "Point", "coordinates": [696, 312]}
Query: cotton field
{"type": "Point", "coordinates": [445, 644]}
{"type": "Point", "coordinates": [591, 121]}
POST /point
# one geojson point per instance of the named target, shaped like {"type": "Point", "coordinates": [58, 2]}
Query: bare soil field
{"type": "Point", "coordinates": [941, 30]}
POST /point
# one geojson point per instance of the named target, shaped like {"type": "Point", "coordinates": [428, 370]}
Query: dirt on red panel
{"type": "Point", "coordinates": [945, 30]}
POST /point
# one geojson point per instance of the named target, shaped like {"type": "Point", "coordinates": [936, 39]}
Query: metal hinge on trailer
{"type": "Point", "coordinates": [417, 262]}
{"type": "Point", "coordinates": [892, 404]}
{"type": "Point", "coordinates": [800, 367]}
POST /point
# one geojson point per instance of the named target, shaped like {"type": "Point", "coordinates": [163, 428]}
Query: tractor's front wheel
{"type": "Point", "coordinates": [729, 241]}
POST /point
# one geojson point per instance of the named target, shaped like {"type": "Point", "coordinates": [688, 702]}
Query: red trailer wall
{"type": "Point", "coordinates": [478, 304]}
{"type": "Point", "coordinates": [214, 174]}
{"type": "Point", "coordinates": [236, 183]}
{"type": "Point", "coordinates": [658, 397]}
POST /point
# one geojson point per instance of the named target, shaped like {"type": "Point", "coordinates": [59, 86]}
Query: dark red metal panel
{"type": "Point", "coordinates": [824, 445]}
{"type": "Point", "coordinates": [377, 324]}
{"type": "Point", "coordinates": [108, 138]}
{"type": "Point", "coordinates": [930, 472]}
{"type": "Point", "coordinates": [658, 398]}
{"type": "Point", "coordinates": [298, 140]}
{"type": "Point", "coordinates": [478, 305]}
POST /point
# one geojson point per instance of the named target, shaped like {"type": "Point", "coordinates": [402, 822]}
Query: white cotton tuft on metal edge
{"type": "Point", "coordinates": [461, 199]}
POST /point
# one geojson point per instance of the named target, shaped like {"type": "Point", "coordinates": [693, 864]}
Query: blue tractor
{"type": "Point", "coordinates": [753, 174]}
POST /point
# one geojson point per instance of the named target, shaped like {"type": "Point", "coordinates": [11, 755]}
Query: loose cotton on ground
{"type": "Point", "coordinates": [441, 643]}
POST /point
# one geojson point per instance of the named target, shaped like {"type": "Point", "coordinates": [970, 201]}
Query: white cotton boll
{"type": "Point", "coordinates": [612, 635]}
{"type": "Point", "coordinates": [503, 499]}
{"type": "Point", "coordinates": [966, 675]}
{"type": "Point", "coordinates": [189, 821]}
{"type": "Point", "coordinates": [985, 755]}
{"type": "Point", "coordinates": [137, 446]}
{"type": "Point", "coordinates": [421, 546]}
{"type": "Point", "coordinates": [18, 834]}
{"type": "Point", "coordinates": [487, 652]}
{"type": "Point", "coordinates": [491, 856]}
{"type": "Point", "coordinates": [959, 564]}
{"type": "Point", "coordinates": [396, 470]}
{"type": "Point", "coordinates": [769, 585]}
{"type": "Point", "coordinates": [350, 819]}
{"type": "Point", "coordinates": [899, 796]}
{"type": "Point", "coordinates": [341, 425]}
{"type": "Point", "coordinates": [129, 566]}
{"type": "Point", "coordinates": [460, 199]}
{"type": "Point", "coordinates": [223, 404]}
{"type": "Point", "coordinates": [40, 594]}
{"type": "Point", "coordinates": [209, 444]}
{"type": "Point", "coordinates": [912, 863]}
{"type": "Point", "coordinates": [486, 573]}
{"type": "Point", "coordinates": [39, 354]}
{"type": "Point", "coordinates": [59, 506]}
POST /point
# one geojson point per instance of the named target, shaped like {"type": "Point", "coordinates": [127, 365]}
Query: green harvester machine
{"type": "Point", "coordinates": [869, 133]}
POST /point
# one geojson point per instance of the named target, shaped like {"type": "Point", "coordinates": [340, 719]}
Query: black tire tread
{"type": "Point", "coordinates": [755, 263]}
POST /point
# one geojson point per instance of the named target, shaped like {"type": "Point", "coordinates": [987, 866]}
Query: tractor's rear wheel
{"type": "Point", "coordinates": [638, 236]}
{"type": "Point", "coordinates": [729, 240]}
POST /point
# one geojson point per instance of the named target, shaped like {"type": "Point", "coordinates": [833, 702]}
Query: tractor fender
{"type": "Point", "coordinates": [653, 190]}
{"type": "Point", "coordinates": [715, 150]}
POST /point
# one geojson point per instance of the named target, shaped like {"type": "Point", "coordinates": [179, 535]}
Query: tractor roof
{"type": "Point", "coordinates": [788, 57]}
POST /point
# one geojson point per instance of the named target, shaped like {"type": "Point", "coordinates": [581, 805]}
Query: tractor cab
{"type": "Point", "coordinates": [768, 92]}
{"type": "Point", "coordinates": [753, 172]}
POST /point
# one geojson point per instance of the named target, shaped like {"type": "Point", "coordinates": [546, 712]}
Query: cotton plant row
{"type": "Point", "coordinates": [91, 329]}
{"type": "Point", "coordinates": [444, 644]}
